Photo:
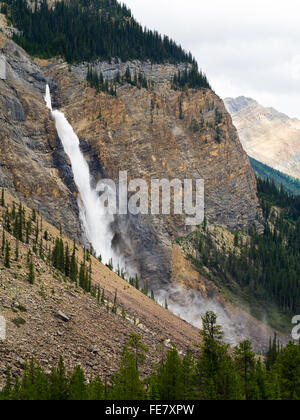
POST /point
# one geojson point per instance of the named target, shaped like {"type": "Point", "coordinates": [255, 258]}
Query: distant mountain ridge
{"type": "Point", "coordinates": [290, 184]}
{"type": "Point", "coordinates": [267, 135]}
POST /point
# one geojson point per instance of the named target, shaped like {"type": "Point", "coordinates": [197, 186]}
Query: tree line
{"type": "Point", "coordinates": [209, 373]}
{"type": "Point", "coordinates": [98, 82]}
{"type": "Point", "coordinates": [266, 265]}
{"type": "Point", "coordinates": [85, 30]}
{"type": "Point", "coordinates": [190, 79]}
{"type": "Point", "coordinates": [290, 185]}
{"type": "Point", "coordinates": [28, 229]}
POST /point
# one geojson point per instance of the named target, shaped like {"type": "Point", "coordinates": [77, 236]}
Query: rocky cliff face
{"type": "Point", "coordinates": [32, 163]}
{"type": "Point", "coordinates": [151, 133]}
{"type": "Point", "coordinates": [160, 133]}
{"type": "Point", "coordinates": [155, 133]}
{"type": "Point", "coordinates": [267, 135]}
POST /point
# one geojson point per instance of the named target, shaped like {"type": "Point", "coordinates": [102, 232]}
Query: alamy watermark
{"type": "Point", "coordinates": [163, 196]}
{"type": "Point", "coordinates": [2, 328]}
{"type": "Point", "coordinates": [296, 329]}
{"type": "Point", "coordinates": [2, 67]}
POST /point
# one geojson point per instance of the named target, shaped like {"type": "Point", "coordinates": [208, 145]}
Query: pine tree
{"type": "Point", "coordinates": [103, 297]}
{"type": "Point", "coordinates": [169, 377]}
{"type": "Point", "coordinates": [96, 390]}
{"type": "Point", "coordinates": [138, 349]}
{"type": "Point", "coordinates": [3, 242]}
{"type": "Point", "coordinates": [166, 304]}
{"type": "Point", "coordinates": [73, 267]}
{"type": "Point", "coordinates": [17, 250]}
{"type": "Point", "coordinates": [188, 376]}
{"type": "Point", "coordinates": [126, 383]}
{"type": "Point", "coordinates": [7, 255]}
{"type": "Point", "coordinates": [77, 389]}
{"type": "Point", "coordinates": [245, 361]}
{"type": "Point", "coordinates": [59, 383]}
{"type": "Point", "coordinates": [115, 305]}
{"type": "Point", "coordinates": [216, 377]}
{"type": "Point", "coordinates": [31, 273]}
{"type": "Point", "coordinates": [2, 201]}
{"type": "Point", "coordinates": [287, 369]}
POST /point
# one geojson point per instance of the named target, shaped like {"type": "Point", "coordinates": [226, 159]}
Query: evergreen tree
{"type": "Point", "coordinates": [77, 388]}
{"type": "Point", "coordinates": [169, 377]}
{"type": "Point", "coordinates": [2, 201]}
{"type": "Point", "coordinates": [31, 273]}
{"type": "Point", "coordinates": [287, 369]}
{"type": "Point", "coordinates": [73, 267]}
{"type": "Point", "coordinates": [216, 377]}
{"type": "Point", "coordinates": [7, 255]}
{"type": "Point", "coordinates": [138, 349]}
{"type": "Point", "coordinates": [59, 390]}
{"type": "Point", "coordinates": [245, 361]}
{"type": "Point", "coordinates": [126, 383]}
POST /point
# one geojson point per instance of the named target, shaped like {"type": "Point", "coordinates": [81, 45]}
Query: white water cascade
{"type": "Point", "coordinates": [95, 219]}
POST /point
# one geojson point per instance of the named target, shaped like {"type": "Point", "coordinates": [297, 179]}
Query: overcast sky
{"type": "Point", "coordinates": [246, 47]}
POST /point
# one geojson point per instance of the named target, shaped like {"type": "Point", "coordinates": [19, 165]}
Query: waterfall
{"type": "Point", "coordinates": [95, 218]}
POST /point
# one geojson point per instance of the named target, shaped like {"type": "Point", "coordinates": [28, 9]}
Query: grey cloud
{"type": "Point", "coordinates": [247, 48]}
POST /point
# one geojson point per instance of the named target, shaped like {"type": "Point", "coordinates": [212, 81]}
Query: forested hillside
{"type": "Point", "coordinates": [290, 184]}
{"type": "Point", "coordinates": [84, 30]}
{"type": "Point", "coordinates": [262, 269]}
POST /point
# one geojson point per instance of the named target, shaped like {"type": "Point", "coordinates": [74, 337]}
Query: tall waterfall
{"type": "Point", "coordinates": [95, 219]}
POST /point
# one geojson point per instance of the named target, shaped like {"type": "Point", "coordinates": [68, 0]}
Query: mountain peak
{"type": "Point", "coordinates": [236, 104]}
{"type": "Point", "coordinates": [267, 135]}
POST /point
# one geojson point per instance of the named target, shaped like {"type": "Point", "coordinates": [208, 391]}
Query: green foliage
{"type": "Point", "coordinates": [126, 383]}
{"type": "Point", "coordinates": [212, 374]}
{"type": "Point", "coordinates": [190, 79]}
{"type": "Point", "coordinates": [287, 369]}
{"type": "Point", "coordinates": [83, 30]}
{"type": "Point", "coordinates": [31, 272]}
{"type": "Point", "coordinates": [245, 361]}
{"type": "Point", "coordinates": [289, 184]}
{"type": "Point", "coordinates": [265, 266]}
{"type": "Point", "coordinates": [138, 349]}
{"type": "Point", "coordinates": [7, 255]}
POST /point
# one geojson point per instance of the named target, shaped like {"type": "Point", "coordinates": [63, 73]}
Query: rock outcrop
{"type": "Point", "coordinates": [160, 133]}
{"type": "Point", "coordinates": [32, 162]}
{"type": "Point", "coordinates": [267, 135]}
{"type": "Point", "coordinates": [54, 317]}
{"type": "Point", "coordinates": [151, 133]}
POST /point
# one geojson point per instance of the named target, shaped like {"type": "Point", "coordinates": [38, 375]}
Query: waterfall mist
{"type": "Point", "coordinates": [95, 218]}
{"type": "Point", "coordinates": [190, 305]}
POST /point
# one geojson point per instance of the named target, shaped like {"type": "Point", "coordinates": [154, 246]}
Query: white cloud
{"type": "Point", "coordinates": [248, 47]}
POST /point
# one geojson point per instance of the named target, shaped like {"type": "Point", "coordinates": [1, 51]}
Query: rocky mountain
{"type": "Point", "coordinates": [267, 135]}
{"type": "Point", "coordinates": [154, 132]}
{"type": "Point", "coordinates": [54, 317]}
{"type": "Point", "coordinates": [141, 131]}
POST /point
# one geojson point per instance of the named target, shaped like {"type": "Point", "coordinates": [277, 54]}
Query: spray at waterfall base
{"type": "Point", "coordinates": [100, 205]}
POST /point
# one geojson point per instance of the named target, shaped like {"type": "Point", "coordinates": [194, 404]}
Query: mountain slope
{"type": "Point", "coordinates": [54, 317]}
{"type": "Point", "coordinates": [267, 135]}
{"type": "Point", "coordinates": [155, 132]}
{"type": "Point", "coordinates": [290, 184]}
